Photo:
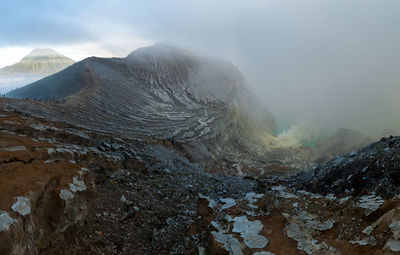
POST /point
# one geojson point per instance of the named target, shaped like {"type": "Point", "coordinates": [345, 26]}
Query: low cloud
{"type": "Point", "coordinates": [10, 83]}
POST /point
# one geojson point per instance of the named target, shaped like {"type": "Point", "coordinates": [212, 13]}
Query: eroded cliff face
{"type": "Point", "coordinates": [41, 186]}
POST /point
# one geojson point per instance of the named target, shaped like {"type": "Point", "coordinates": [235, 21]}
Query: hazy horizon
{"type": "Point", "coordinates": [324, 64]}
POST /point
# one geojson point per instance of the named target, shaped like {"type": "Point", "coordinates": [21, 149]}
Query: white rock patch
{"type": "Point", "coordinates": [215, 225]}
{"type": "Point", "coordinates": [228, 203]}
{"type": "Point", "coordinates": [249, 230]}
{"type": "Point", "coordinates": [330, 197]}
{"type": "Point", "coordinates": [304, 236]}
{"type": "Point", "coordinates": [282, 192]}
{"type": "Point", "coordinates": [252, 197]}
{"type": "Point", "coordinates": [201, 250]}
{"type": "Point", "coordinates": [359, 242]}
{"type": "Point", "coordinates": [306, 243]}
{"type": "Point", "coordinates": [368, 230]}
{"type": "Point", "coordinates": [310, 222]}
{"type": "Point", "coordinates": [5, 221]}
{"type": "Point", "coordinates": [321, 226]}
{"type": "Point", "coordinates": [211, 203]}
{"type": "Point", "coordinates": [80, 185]}
{"type": "Point", "coordinates": [370, 203]}
{"type": "Point", "coordinates": [395, 227]}
{"type": "Point", "coordinates": [253, 240]}
{"type": "Point", "coordinates": [393, 244]}
{"type": "Point", "coordinates": [306, 193]}
{"type": "Point", "coordinates": [22, 206]}
{"type": "Point", "coordinates": [231, 244]}
{"type": "Point", "coordinates": [73, 188]}
{"type": "Point", "coordinates": [50, 151]}
{"type": "Point", "coordinates": [77, 185]}
{"type": "Point", "coordinates": [66, 194]}
{"type": "Point", "coordinates": [344, 200]}
{"type": "Point", "coordinates": [16, 148]}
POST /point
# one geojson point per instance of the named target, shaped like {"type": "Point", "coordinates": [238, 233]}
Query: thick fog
{"type": "Point", "coordinates": [320, 64]}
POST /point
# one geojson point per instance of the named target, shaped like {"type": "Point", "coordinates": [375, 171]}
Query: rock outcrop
{"type": "Point", "coordinates": [41, 188]}
{"type": "Point", "coordinates": [341, 142]}
{"type": "Point", "coordinates": [374, 168]}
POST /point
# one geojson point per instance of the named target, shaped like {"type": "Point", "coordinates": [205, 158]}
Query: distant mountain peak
{"type": "Point", "coordinates": [39, 63]}
{"type": "Point", "coordinates": [43, 52]}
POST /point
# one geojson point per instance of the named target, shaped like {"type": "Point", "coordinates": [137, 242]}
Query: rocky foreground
{"type": "Point", "coordinates": [67, 190]}
{"type": "Point", "coordinates": [70, 190]}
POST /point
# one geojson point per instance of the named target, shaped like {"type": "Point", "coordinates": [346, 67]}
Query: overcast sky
{"type": "Point", "coordinates": [331, 62]}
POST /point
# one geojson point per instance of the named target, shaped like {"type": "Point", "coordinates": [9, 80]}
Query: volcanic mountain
{"type": "Point", "coordinates": [34, 66]}
{"type": "Point", "coordinates": [39, 61]}
{"type": "Point", "coordinates": [161, 91]}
